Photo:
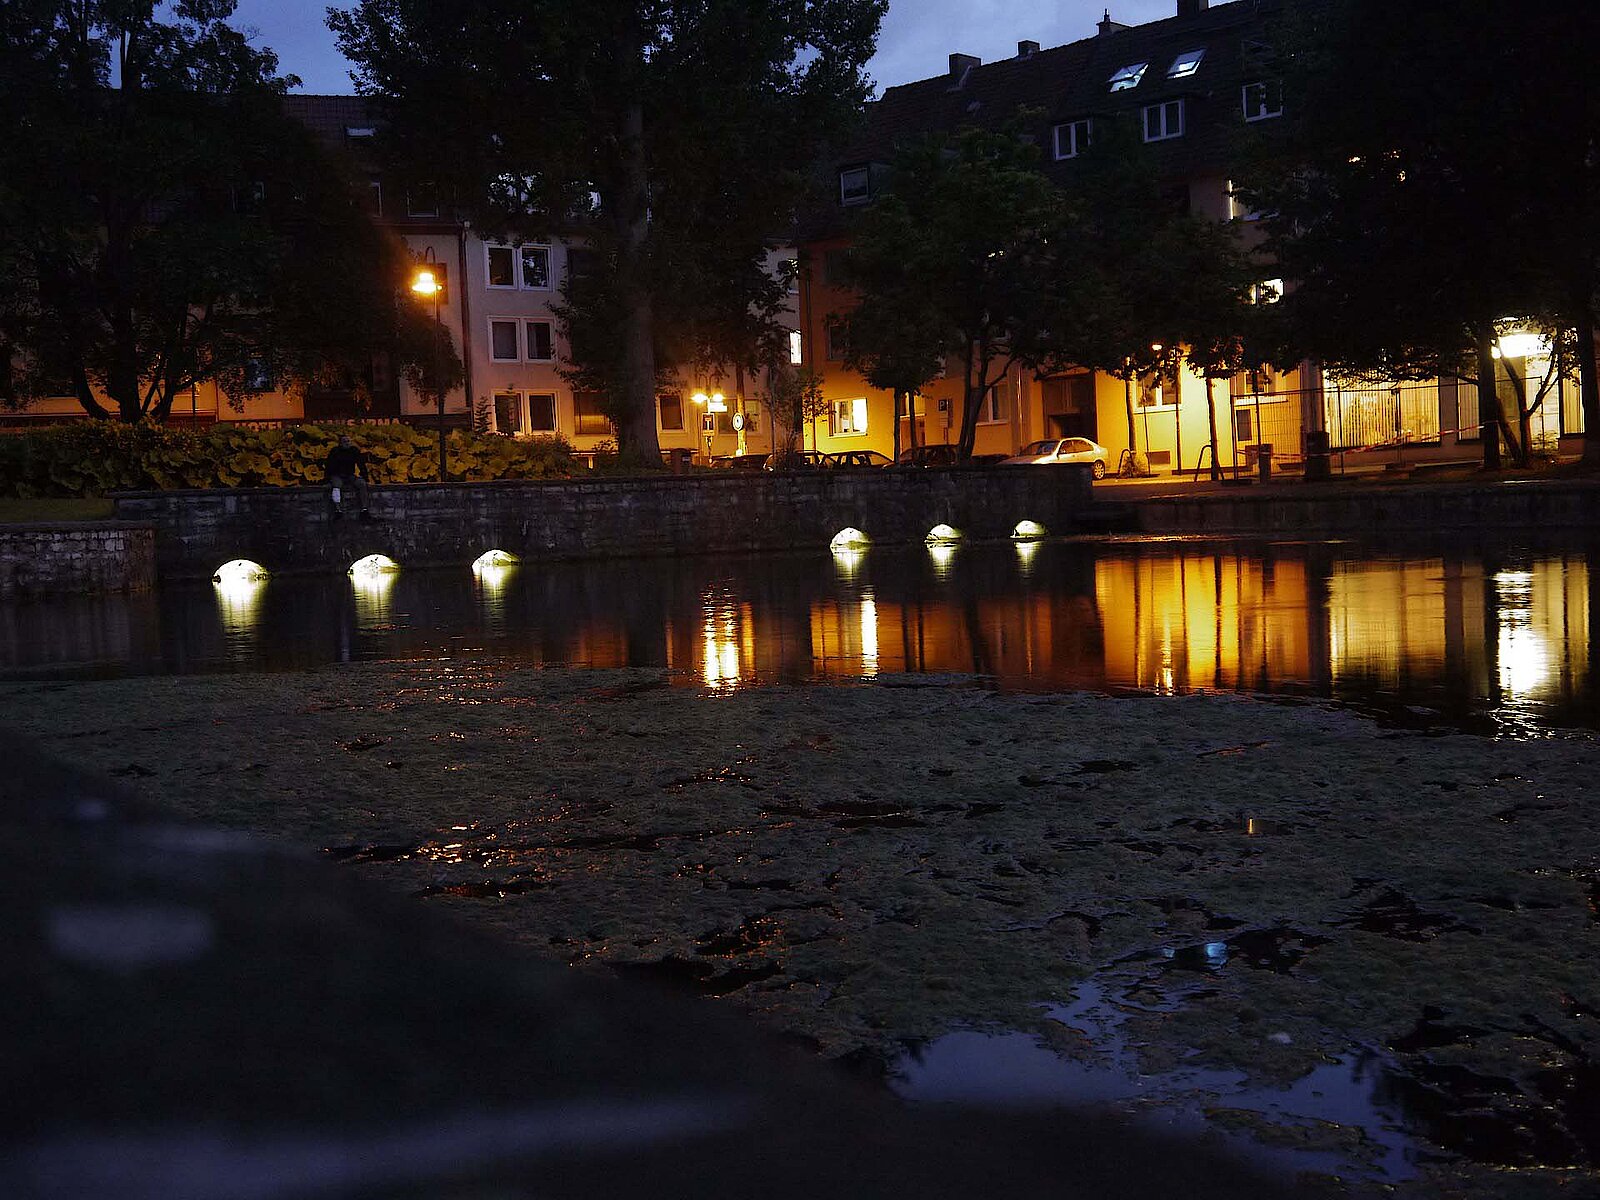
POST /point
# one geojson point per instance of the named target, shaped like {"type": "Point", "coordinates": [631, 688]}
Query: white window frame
{"type": "Point", "coordinates": [991, 409]}
{"type": "Point", "coordinates": [1127, 78]}
{"type": "Point", "coordinates": [555, 413]}
{"type": "Point", "coordinates": [521, 265]}
{"type": "Point", "coordinates": [844, 418]}
{"type": "Point", "coordinates": [864, 194]}
{"type": "Point", "coordinates": [527, 340]}
{"type": "Point", "coordinates": [1187, 64]}
{"type": "Point", "coordinates": [516, 333]}
{"type": "Point", "coordinates": [1263, 89]}
{"type": "Point", "coordinates": [490, 249]}
{"type": "Point", "coordinates": [519, 402]}
{"type": "Point", "coordinates": [1168, 385]}
{"type": "Point", "coordinates": [1165, 109]}
{"type": "Point", "coordinates": [1076, 145]}
{"type": "Point", "coordinates": [797, 348]}
{"type": "Point", "coordinates": [683, 414]}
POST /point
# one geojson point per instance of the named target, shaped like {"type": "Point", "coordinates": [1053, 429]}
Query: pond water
{"type": "Point", "coordinates": [1448, 633]}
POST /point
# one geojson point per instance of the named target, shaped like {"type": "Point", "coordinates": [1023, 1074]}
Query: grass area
{"type": "Point", "coordinates": [23, 512]}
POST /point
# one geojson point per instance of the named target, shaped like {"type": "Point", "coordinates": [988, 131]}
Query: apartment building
{"type": "Point", "coordinates": [1198, 86]}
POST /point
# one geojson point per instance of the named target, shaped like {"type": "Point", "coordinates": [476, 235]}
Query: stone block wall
{"type": "Point", "coordinates": [291, 529]}
{"type": "Point", "coordinates": [51, 560]}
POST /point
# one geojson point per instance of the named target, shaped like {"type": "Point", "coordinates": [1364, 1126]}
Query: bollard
{"type": "Point", "coordinates": [1264, 461]}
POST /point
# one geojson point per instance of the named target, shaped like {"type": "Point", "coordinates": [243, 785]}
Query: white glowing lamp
{"type": "Point", "coordinates": [492, 559]}
{"type": "Point", "coordinates": [942, 534]}
{"type": "Point", "coordinates": [373, 564]}
{"type": "Point", "coordinates": [1028, 531]}
{"type": "Point", "coordinates": [239, 571]}
{"type": "Point", "coordinates": [719, 403]}
{"type": "Point", "coordinates": [849, 538]}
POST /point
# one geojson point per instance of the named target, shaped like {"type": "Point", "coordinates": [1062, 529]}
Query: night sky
{"type": "Point", "coordinates": [917, 37]}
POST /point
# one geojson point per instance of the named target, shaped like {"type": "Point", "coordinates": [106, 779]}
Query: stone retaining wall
{"type": "Point", "coordinates": [61, 559]}
{"type": "Point", "coordinates": [290, 529]}
{"type": "Point", "coordinates": [1506, 507]}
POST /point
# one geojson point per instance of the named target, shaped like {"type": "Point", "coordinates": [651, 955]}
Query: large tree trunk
{"type": "Point", "coordinates": [1127, 403]}
{"type": "Point", "coordinates": [899, 399]}
{"type": "Point", "coordinates": [1588, 386]}
{"type": "Point", "coordinates": [1488, 401]}
{"type": "Point", "coordinates": [636, 421]}
{"type": "Point", "coordinates": [971, 398]}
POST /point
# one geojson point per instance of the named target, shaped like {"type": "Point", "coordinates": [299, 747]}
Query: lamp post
{"type": "Point", "coordinates": [427, 285]}
{"type": "Point", "coordinates": [713, 403]}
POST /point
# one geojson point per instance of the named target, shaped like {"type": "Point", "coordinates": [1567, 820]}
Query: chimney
{"type": "Point", "coordinates": [1107, 25]}
{"type": "Point", "coordinates": [960, 64]}
{"type": "Point", "coordinates": [1192, 8]}
{"type": "Point", "coordinates": [1027, 49]}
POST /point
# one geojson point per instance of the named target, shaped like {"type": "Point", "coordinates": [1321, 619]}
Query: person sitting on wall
{"type": "Point", "coordinates": [346, 468]}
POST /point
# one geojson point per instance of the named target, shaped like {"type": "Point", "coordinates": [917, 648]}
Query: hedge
{"type": "Point", "coordinates": [94, 458]}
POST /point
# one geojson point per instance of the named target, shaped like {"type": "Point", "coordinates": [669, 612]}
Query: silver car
{"type": "Point", "coordinates": [1062, 450]}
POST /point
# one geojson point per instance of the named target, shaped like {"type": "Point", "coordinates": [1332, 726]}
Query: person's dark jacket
{"type": "Point", "coordinates": [345, 462]}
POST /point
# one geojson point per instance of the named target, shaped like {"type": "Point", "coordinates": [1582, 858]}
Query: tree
{"type": "Point", "coordinates": [957, 254]}
{"type": "Point", "coordinates": [164, 223]}
{"type": "Point", "coordinates": [896, 337]}
{"type": "Point", "coordinates": [665, 132]}
{"type": "Point", "coordinates": [1418, 218]}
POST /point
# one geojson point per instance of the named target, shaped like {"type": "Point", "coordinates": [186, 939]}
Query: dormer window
{"type": "Point", "coordinates": [1262, 101]}
{"type": "Point", "coordinates": [360, 131]}
{"type": "Point", "coordinates": [1071, 139]}
{"type": "Point", "coordinates": [1163, 122]}
{"type": "Point", "coordinates": [1128, 77]}
{"type": "Point", "coordinates": [855, 185]}
{"type": "Point", "coordinates": [1186, 64]}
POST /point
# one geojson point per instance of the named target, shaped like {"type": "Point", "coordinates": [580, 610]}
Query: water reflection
{"type": "Point", "coordinates": [1464, 631]}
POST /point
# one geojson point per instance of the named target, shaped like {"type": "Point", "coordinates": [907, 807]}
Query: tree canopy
{"type": "Point", "coordinates": [164, 223]}
{"type": "Point", "coordinates": [669, 134]}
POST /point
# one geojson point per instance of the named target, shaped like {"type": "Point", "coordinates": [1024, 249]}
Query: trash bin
{"type": "Point", "coordinates": [1264, 461]}
{"type": "Point", "coordinates": [1319, 465]}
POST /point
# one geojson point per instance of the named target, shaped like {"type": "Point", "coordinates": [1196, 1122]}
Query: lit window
{"type": "Point", "coordinates": [855, 185]}
{"type": "Point", "coordinates": [541, 345]}
{"type": "Point", "coordinates": [1072, 139]}
{"type": "Point", "coordinates": [502, 267]}
{"type": "Point", "coordinates": [1262, 101]}
{"type": "Point", "coordinates": [1163, 122]}
{"type": "Point", "coordinates": [503, 341]}
{"type": "Point", "coordinates": [849, 417]}
{"type": "Point", "coordinates": [542, 413]}
{"type": "Point", "coordinates": [1128, 77]}
{"type": "Point", "coordinates": [796, 348]}
{"type": "Point", "coordinates": [1268, 291]}
{"type": "Point", "coordinates": [508, 413]}
{"type": "Point", "coordinates": [992, 408]}
{"type": "Point", "coordinates": [536, 267]}
{"type": "Point", "coordinates": [1186, 64]}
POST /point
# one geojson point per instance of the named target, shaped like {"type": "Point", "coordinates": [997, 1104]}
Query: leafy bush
{"type": "Point", "coordinates": [96, 457]}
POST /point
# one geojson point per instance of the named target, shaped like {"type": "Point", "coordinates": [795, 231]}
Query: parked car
{"type": "Point", "coordinates": [941, 455]}
{"type": "Point", "coordinates": [1062, 450]}
{"type": "Point", "coordinates": [740, 462]}
{"type": "Point", "coordinates": [853, 459]}
{"type": "Point", "coordinates": [799, 460]}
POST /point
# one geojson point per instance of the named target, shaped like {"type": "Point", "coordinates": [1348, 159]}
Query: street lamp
{"type": "Point", "coordinates": [427, 283]}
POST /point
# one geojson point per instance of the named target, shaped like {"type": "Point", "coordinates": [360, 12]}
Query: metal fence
{"type": "Point", "coordinates": [1384, 415]}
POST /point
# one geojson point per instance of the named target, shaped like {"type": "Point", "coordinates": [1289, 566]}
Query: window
{"type": "Point", "coordinates": [1128, 77]}
{"type": "Point", "coordinates": [502, 267]}
{"type": "Point", "coordinates": [360, 131]}
{"type": "Point", "coordinates": [671, 411]}
{"type": "Point", "coordinates": [835, 268]}
{"type": "Point", "coordinates": [541, 345]}
{"type": "Point", "coordinates": [503, 341]}
{"type": "Point", "coordinates": [1238, 210]}
{"type": "Point", "coordinates": [1263, 381]}
{"type": "Point", "coordinates": [508, 412]}
{"type": "Point", "coordinates": [1268, 291]}
{"type": "Point", "coordinates": [836, 342]}
{"type": "Point", "coordinates": [992, 408]}
{"type": "Point", "coordinates": [855, 185]}
{"type": "Point", "coordinates": [372, 202]}
{"type": "Point", "coordinates": [1072, 139]}
{"type": "Point", "coordinates": [590, 412]}
{"type": "Point", "coordinates": [1186, 64]}
{"type": "Point", "coordinates": [1156, 389]}
{"type": "Point", "coordinates": [1262, 101]}
{"type": "Point", "coordinates": [580, 264]}
{"type": "Point", "coordinates": [536, 267]}
{"type": "Point", "coordinates": [797, 348]}
{"type": "Point", "coordinates": [1163, 121]}
{"type": "Point", "coordinates": [752, 416]}
{"type": "Point", "coordinates": [423, 200]}
{"type": "Point", "coordinates": [541, 412]}
{"type": "Point", "coordinates": [849, 417]}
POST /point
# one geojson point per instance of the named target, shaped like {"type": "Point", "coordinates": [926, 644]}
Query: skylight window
{"type": "Point", "coordinates": [1186, 64]}
{"type": "Point", "coordinates": [1128, 77]}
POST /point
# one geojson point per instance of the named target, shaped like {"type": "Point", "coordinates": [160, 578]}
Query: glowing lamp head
{"type": "Point", "coordinates": [719, 402]}
{"type": "Point", "coordinates": [701, 399]}
{"type": "Point", "coordinates": [425, 283]}
{"type": "Point", "coordinates": [1028, 531]}
{"type": "Point", "coordinates": [943, 535]}
{"type": "Point", "coordinates": [849, 538]}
